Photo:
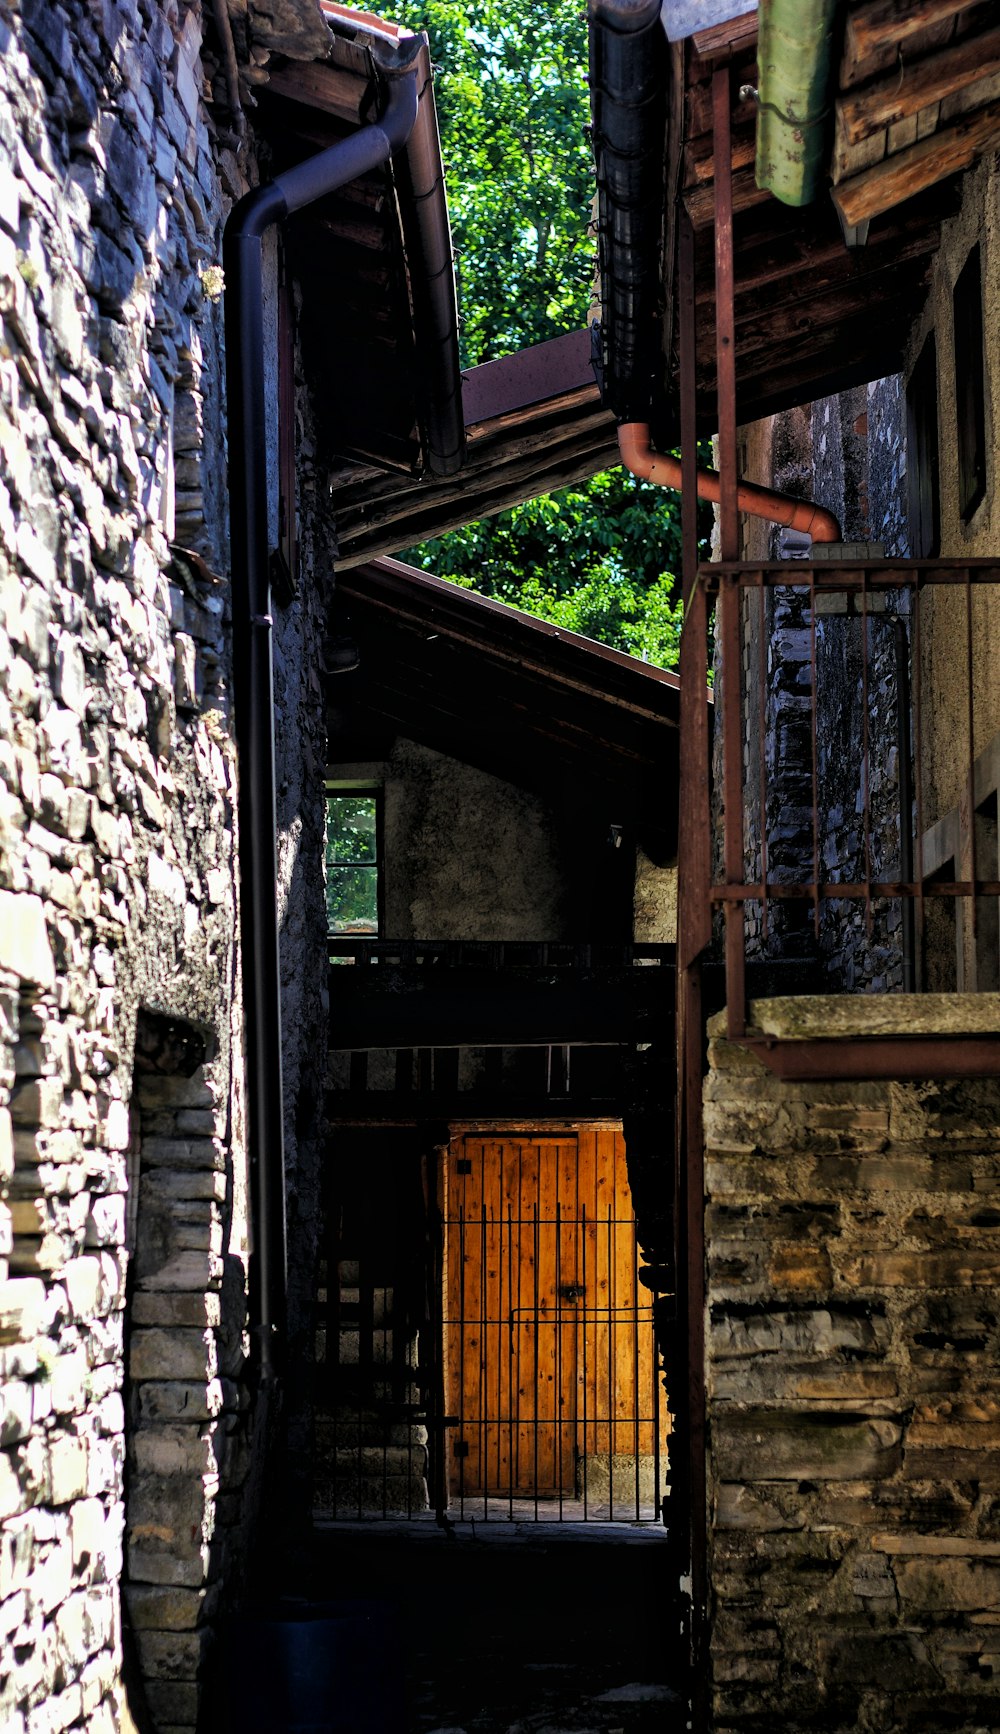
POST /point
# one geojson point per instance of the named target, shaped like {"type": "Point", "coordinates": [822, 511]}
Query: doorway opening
{"type": "Point", "coordinates": [485, 1341]}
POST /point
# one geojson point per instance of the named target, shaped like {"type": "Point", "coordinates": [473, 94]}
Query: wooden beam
{"type": "Point", "coordinates": [699, 160]}
{"type": "Point", "coordinates": [783, 271]}
{"type": "Point", "coordinates": [699, 202]}
{"type": "Point", "coordinates": [882, 23]}
{"type": "Point", "coordinates": [437, 516]}
{"type": "Point", "coordinates": [827, 308]}
{"type": "Point", "coordinates": [721, 41]}
{"type": "Point", "coordinates": [316, 85]}
{"type": "Point", "coordinates": [916, 85]}
{"type": "Point", "coordinates": [952, 148]}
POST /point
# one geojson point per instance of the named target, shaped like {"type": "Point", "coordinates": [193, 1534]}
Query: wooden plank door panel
{"type": "Point", "coordinates": [549, 1348]}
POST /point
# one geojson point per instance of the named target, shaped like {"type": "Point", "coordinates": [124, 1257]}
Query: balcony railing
{"type": "Point", "coordinates": [857, 766]}
{"type": "Point", "coordinates": [474, 1026]}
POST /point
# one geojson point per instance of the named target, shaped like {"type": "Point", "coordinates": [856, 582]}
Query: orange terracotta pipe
{"type": "Point", "coordinates": [650, 466]}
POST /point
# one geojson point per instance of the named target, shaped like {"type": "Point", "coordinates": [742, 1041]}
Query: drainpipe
{"type": "Point", "coordinates": [794, 48]}
{"type": "Point", "coordinates": [651, 466]}
{"type": "Point", "coordinates": [260, 210]}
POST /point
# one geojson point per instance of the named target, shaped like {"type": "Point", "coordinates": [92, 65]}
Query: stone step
{"type": "Point", "coordinates": [344, 1497]}
{"type": "Point", "coordinates": [347, 1432]}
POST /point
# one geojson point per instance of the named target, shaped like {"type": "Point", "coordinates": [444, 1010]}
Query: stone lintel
{"type": "Point", "coordinates": [826, 1016]}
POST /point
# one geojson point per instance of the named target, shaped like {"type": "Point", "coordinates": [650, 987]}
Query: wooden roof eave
{"type": "Point", "coordinates": [565, 658]}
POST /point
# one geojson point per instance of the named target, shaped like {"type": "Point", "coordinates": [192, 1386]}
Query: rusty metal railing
{"type": "Point", "coordinates": [856, 818]}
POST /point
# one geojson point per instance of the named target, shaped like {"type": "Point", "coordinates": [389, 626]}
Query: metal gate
{"type": "Point", "coordinates": [551, 1390]}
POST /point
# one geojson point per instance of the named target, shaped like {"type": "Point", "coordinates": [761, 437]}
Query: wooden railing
{"type": "Point", "coordinates": [492, 1026]}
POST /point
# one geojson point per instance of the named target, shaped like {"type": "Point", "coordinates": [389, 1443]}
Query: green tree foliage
{"type": "Point", "coordinates": [352, 863]}
{"type": "Point", "coordinates": [512, 104]}
{"type": "Point", "coordinates": [511, 91]}
{"type": "Point", "coordinates": [596, 558]}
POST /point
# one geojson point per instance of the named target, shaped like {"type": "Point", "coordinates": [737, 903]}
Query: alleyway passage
{"type": "Point", "coordinates": [499, 1628]}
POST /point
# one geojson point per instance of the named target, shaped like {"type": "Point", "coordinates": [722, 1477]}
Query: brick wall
{"type": "Point", "coordinates": [853, 1328]}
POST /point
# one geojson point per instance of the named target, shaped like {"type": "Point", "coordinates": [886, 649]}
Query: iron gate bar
{"type": "Point", "coordinates": [493, 1420]}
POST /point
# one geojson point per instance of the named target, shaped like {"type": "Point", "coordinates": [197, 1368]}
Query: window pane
{"type": "Point", "coordinates": [352, 863]}
{"type": "Point", "coordinates": [350, 828]}
{"type": "Point", "coordinates": [352, 899]}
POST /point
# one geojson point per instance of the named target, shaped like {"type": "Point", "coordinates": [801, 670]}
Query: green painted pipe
{"type": "Point", "coordinates": [794, 43]}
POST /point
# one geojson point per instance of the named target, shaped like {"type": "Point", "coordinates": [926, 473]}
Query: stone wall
{"type": "Point", "coordinates": [847, 452]}
{"type": "Point", "coordinates": [117, 864]}
{"type": "Point", "coordinates": [853, 1311]}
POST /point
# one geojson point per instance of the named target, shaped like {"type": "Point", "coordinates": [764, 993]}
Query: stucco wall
{"type": "Point", "coordinates": [945, 740]}
{"type": "Point", "coordinates": [467, 856]}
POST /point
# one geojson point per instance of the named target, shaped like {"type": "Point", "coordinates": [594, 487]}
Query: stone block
{"type": "Point", "coordinates": [963, 1267]}
{"type": "Point", "coordinates": [67, 1468]}
{"type": "Point", "coordinates": [83, 1282]}
{"type": "Point", "coordinates": [15, 1412]}
{"type": "Point", "coordinates": [173, 1701]}
{"type": "Point", "coordinates": [172, 1655]}
{"type": "Point", "coordinates": [947, 1586]}
{"type": "Point", "coordinates": [69, 1382]}
{"type": "Point", "coordinates": [766, 1445]}
{"type": "Point", "coordinates": [24, 1309]}
{"type": "Point", "coordinates": [163, 1607]}
{"type": "Point", "coordinates": [52, 1579]}
{"type": "Point", "coordinates": [183, 1153]}
{"type": "Point", "coordinates": [88, 1520]}
{"type": "Point", "coordinates": [148, 1565]}
{"type": "Point", "coordinates": [800, 1269]}
{"type": "Point", "coordinates": [172, 1354]}
{"type": "Point", "coordinates": [188, 1271]}
{"type": "Point", "coordinates": [175, 1400]}
{"type": "Point", "coordinates": [163, 1307]}
{"type": "Point", "coordinates": [175, 1450]}
{"type": "Point", "coordinates": [37, 1102]}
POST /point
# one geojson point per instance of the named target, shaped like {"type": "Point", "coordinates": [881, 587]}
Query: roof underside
{"type": "Point", "coordinates": [518, 697]}
{"type": "Point", "coordinates": [534, 421]}
{"type": "Point", "coordinates": [814, 315]}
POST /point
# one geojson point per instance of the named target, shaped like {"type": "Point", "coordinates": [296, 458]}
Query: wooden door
{"type": "Point", "coordinates": [548, 1336]}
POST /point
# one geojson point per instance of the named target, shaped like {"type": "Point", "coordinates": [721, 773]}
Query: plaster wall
{"type": "Point", "coordinates": [945, 741]}
{"type": "Point", "coordinates": [467, 856]}
{"type": "Point", "coordinates": [655, 905]}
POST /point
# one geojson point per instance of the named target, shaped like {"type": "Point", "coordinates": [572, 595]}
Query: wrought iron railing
{"type": "Point", "coordinates": [857, 765]}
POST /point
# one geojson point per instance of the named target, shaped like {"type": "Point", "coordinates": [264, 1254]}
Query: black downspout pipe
{"type": "Point", "coordinates": [260, 210]}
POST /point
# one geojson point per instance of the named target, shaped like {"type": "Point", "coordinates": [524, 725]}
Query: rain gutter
{"type": "Point", "coordinates": [628, 94]}
{"type": "Point", "coordinates": [794, 53]}
{"type": "Point", "coordinates": [249, 221]}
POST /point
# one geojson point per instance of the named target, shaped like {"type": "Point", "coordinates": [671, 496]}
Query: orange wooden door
{"type": "Point", "coordinates": [548, 1339]}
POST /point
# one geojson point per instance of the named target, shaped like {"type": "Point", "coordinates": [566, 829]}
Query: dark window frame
{"type": "Point", "coordinates": [970, 384]}
{"type": "Point", "coordinates": [923, 455]}
{"type": "Point", "coordinates": [347, 791]}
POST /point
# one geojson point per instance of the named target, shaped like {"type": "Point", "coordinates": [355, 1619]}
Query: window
{"type": "Point", "coordinates": [970, 386]}
{"type": "Point", "coordinates": [922, 455]}
{"type": "Point", "coordinates": [352, 861]}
